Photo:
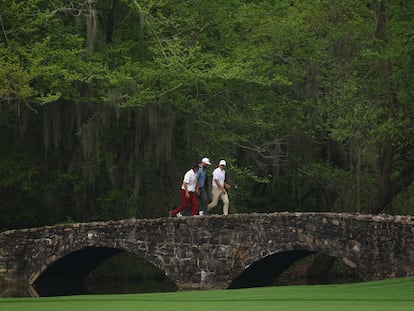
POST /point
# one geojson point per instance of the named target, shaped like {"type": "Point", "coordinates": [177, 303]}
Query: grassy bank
{"type": "Point", "coordinates": [396, 294]}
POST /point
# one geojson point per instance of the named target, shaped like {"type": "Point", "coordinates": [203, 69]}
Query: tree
{"type": "Point", "coordinates": [105, 104]}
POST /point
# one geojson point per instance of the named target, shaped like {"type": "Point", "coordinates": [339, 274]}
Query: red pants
{"type": "Point", "coordinates": [184, 203]}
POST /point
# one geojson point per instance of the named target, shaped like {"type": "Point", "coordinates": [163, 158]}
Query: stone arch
{"type": "Point", "coordinates": [66, 273]}
{"type": "Point", "coordinates": [211, 252]}
{"type": "Point", "coordinates": [264, 271]}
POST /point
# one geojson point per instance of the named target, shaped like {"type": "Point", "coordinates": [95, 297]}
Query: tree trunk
{"type": "Point", "coordinates": [379, 201]}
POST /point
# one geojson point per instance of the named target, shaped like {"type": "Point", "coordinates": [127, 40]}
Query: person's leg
{"type": "Point", "coordinates": [225, 199]}
{"type": "Point", "coordinates": [194, 203]}
{"type": "Point", "coordinates": [188, 208]}
{"type": "Point", "coordinates": [184, 203]}
{"type": "Point", "coordinates": [204, 200]}
{"type": "Point", "coordinates": [215, 194]}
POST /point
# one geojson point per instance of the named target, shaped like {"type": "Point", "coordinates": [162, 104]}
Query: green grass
{"type": "Point", "coordinates": [395, 294]}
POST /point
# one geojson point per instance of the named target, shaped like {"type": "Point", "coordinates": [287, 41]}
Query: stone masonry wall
{"type": "Point", "coordinates": [210, 252]}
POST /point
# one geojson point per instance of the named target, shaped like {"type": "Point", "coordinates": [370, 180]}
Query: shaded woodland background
{"type": "Point", "coordinates": [105, 104]}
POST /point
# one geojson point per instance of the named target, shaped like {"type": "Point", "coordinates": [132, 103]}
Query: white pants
{"type": "Point", "coordinates": [216, 195]}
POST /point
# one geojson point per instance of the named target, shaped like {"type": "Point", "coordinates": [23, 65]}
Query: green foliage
{"type": "Point", "coordinates": [104, 106]}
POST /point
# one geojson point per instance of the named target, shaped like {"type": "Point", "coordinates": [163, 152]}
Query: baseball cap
{"type": "Point", "coordinates": [222, 162]}
{"type": "Point", "coordinates": [206, 161]}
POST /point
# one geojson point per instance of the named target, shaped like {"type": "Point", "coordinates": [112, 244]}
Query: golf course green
{"type": "Point", "coordinates": [394, 294]}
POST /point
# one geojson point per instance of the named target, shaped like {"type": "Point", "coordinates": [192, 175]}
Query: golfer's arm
{"type": "Point", "coordinates": [218, 184]}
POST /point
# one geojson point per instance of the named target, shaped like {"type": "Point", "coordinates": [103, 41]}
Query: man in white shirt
{"type": "Point", "coordinates": [188, 192]}
{"type": "Point", "coordinates": [219, 187]}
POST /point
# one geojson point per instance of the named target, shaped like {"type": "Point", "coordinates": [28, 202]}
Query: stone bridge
{"type": "Point", "coordinates": [215, 252]}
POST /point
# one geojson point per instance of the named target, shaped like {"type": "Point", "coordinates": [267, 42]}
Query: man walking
{"type": "Point", "coordinates": [219, 187]}
{"type": "Point", "coordinates": [202, 185]}
{"type": "Point", "coordinates": [188, 192]}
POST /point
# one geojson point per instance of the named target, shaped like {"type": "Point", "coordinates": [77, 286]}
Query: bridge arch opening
{"type": "Point", "coordinates": [101, 270]}
{"type": "Point", "coordinates": [278, 268]}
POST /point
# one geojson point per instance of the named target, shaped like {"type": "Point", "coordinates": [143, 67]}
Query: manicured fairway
{"type": "Point", "coordinates": [396, 294]}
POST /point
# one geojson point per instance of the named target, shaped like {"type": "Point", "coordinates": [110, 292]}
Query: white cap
{"type": "Point", "coordinates": [206, 161]}
{"type": "Point", "coordinates": [222, 162]}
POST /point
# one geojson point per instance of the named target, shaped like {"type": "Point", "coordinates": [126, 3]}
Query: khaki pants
{"type": "Point", "coordinates": [216, 195]}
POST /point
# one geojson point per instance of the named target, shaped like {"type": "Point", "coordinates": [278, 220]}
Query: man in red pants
{"type": "Point", "coordinates": [188, 192]}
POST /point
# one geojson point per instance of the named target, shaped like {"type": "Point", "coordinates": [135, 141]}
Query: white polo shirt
{"type": "Point", "coordinates": [191, 179]}
{"type": "Point", "coordinates": [219, 174]}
